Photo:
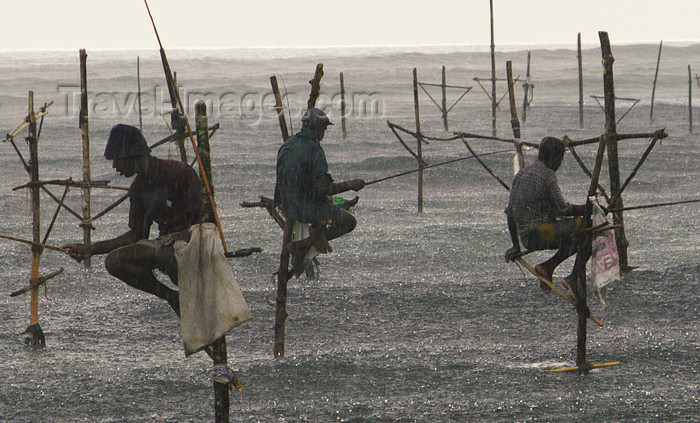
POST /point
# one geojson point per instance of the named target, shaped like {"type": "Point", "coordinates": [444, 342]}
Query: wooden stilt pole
{"type": "Point", "coordinates": [584, 253]}
{"type": "Point", "coordinates": [221, 391]}
{"type": "Point", "coordinates": [283, 277]}
{"type": "Point", "coordinates": [526, 86]}
{"type": "Point", "coordinates": [419, 139]}
{"type": "Point", "coordinates": [494, 104]}
{"type": "Point", "coordinates": [613, 162]}
{"type": "Point", "coordinates": [343, 118]}
{"type": "Point", "coordinates": [278, 108]}
{"type": "Point", "coordinates": [444, 99]}
{"type": "Point", "coordinates": [514, 123]}
{"type": "Point", "coordinates": [690, 100]}
{"type": "Point", "coordinates": [580, 83]}
{"type": "Point", "coordinates": [85, 128]}
{"type": "Point", "coordinates": [315, 86]}
{"type": "Point", "coordinates": [36, 335]}
{"type": "Point", "coordinates": [653, 87]}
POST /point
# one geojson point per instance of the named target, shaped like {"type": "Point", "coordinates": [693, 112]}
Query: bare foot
{"type": "Point", "coordinates": [545, 274]}
{"type": "Point", "coordinates": [570, 283]}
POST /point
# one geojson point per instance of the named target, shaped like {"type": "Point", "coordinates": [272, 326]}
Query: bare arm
{"type": "Point", "coordinates": [513, 229]}
{"type": "Point", "coordinates": [83, 251]}
{"type": "Point", "coordinates": [333, 188]}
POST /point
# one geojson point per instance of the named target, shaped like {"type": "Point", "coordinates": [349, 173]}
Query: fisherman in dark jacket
{"type": "Point", "coordinates": [538, 213]}
{"type": "Point", "coordinates": [304, 188]}
{"type": "Point", "coordinates": [166, 192]}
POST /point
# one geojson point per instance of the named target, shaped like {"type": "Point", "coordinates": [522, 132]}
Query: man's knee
{"type": "Point", "coordinates": [113, 264]}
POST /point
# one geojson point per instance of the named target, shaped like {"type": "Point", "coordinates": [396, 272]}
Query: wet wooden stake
{"type": "Point", "coordinates": [494, 104]}
{"type": "Point", "coordinates": [278, 107]}
{"type": "Point", "coordinates": [419, 139]}
{"type": "Point", "coordinates": [580, 83]}
{"type": "Point", "coordinates": [221, 391]}
{"type": "Point", "coordinates": [343, 124]}
{"type": "Point", "coordinates": [613, 162]}
{"type": "Point", "coordinates": [514, 123]}
{"type": "Point", "coordinates": [315, 86]}
{"type": "Point", "coordinates": [690, 101]}
{"type": "Point", "coordinates": [85, 130]}
{"type": "Point", "coordinates": [653, 87]}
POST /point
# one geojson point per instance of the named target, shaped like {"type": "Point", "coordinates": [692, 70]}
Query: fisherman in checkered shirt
{"type": "Point", "coordinates": [539, 214]}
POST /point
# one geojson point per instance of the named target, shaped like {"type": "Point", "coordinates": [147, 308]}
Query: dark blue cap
{"type": "Point", "coordinates": [314, 118]}
{"type": "Point", "coordinates": [125, 141]}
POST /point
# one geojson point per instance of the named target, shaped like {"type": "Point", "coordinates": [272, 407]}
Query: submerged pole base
{"type": "Point", "coordinates": [36, 337]}
{"type": "Point", "coordinates": [590, 366]}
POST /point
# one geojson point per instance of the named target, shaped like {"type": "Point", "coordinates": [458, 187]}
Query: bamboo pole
{"type": "Point", "coordinates": [343, 118]}
{"type": "Point", "coordinates": [514, 123]}
{"type": "Point", "coordinates": [221, 399]}
{"type": "Point", "coordinates": [278, 108]}
{"type": "Point", "coordinates": [494, 105]}
{"type": "Point", "coordinates": [444, 98]}
{"type": "Point", "coordinates": [526, 87]}
{"type": "Point", "coordinates": [85, 130]}
{"type": "Point", "coordinates": [653, 87]}
{"type": "Point", "coordinates": [419, 150]}
{"type": "Point", "coordinates": [169, 77]}
{"type": "Point", "coordinates": [690, 101]}
{"type": "Point", "coordinates": [611, 142]}
{"type": "Point", "coordinates": [580, 83]}
{"type": "Point", "coordinates": [36, 338]}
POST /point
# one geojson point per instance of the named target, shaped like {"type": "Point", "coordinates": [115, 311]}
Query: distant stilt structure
{"type": "Point", "coordinates": [690, 100]}
{"type": "Point", "coordinates": [494, 104]}
{"type": "Point", "coordinates": [653, 87]}
{"type": "Point", "coordinates": [85, 128]}
{"type": "Point", "coordinates": [138, 86]}
{"type": "Point", "coordinates": [419, 140]}
{"type": "Point", "coordinates": [580, 83]}
{"type": "Point", "coordinates": [343, 118]}
{"type": "Point", "coordinates": [442, 106]}
{"type": "Point", "coordinates": [444, 99]}
{"type": "Point", "coordinates": [529, 88]}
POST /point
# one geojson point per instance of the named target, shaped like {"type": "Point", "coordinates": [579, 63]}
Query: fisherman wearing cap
{"type": "Point", "coordinates": [539, 214]}
{"type": "Point", "coordinates": [304, 188]}
{"type": "Point", "coordinates": [166, 192]}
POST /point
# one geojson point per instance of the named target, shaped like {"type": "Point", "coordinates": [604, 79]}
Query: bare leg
{"type": "Point", "coordinates": [134, 265]}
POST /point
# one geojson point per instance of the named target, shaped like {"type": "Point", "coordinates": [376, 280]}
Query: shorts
{"type": "Point", "coordinates": [551, 235]}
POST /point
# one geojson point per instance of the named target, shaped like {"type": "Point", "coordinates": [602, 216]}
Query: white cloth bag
{"type": "Point", "coordinates": [211, 302]}
{"type": "Point", "coordinates": [605, 261]}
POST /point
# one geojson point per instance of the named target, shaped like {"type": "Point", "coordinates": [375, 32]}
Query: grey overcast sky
{"type": "Point", "coordinates": [124, 24]}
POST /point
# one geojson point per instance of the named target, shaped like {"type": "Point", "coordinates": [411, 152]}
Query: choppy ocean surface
{"type": "Point", "coordinates": [416, 317]}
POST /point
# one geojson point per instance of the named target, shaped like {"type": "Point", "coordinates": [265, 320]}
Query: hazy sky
{"type": "Point", "coordinates": [108, 24]}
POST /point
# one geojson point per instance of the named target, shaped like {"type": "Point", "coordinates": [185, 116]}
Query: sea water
{"type": "Point", "coordinates": [416, 317]}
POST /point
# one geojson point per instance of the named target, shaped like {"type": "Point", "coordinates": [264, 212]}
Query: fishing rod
{"type": "Point", "coordinates": [648, 206]}
{"type": "Point", "coordinates": [169, 74]}
{"type": "Point", "coordinates": [434, 165]}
